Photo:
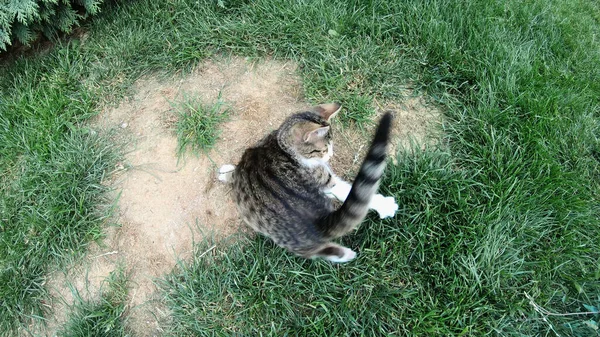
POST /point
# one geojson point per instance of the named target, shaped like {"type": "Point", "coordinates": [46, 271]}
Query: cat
{"type": "Point", "coordinates": [284, 188]}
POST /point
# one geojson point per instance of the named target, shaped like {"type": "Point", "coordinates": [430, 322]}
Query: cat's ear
{"type": "Point", "coordinates": [328, 111]}
{"type": "Point", "coordinates": [315, 134]}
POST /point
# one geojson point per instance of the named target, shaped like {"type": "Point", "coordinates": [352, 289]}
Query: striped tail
{"type": "Point", "coordinates": [356, 206]}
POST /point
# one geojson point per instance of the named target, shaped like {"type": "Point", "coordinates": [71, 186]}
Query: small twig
{"type": "Point", "coordinates": [133, 297]}
{"type": "Point", "coordinates": [543, 311]}
{"type": "Point", "coordinates": [207, 251]}
{"type": "Point", "coordinates": [101, 255]}
{"type": "Point", "coordinates": [356, 158]}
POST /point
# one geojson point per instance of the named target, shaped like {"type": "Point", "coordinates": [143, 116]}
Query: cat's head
{"type": "Point", "coordinates": [308, 133]}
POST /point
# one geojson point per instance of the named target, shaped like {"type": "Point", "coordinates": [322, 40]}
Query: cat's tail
{"type": "Point", "coordinates": [356, 206]}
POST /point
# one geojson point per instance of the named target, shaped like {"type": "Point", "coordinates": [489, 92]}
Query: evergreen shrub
{"type": "Point", "coordinates": [25, 20]}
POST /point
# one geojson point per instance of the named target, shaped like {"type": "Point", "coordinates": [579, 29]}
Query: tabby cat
{"type": "Point", "coordinates": [285, 189]}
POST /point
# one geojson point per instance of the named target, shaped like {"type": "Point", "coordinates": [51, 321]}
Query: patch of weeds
{"type": "Point", "coordinates": [197, 126]}
{"type": "Point", "coordinates": [51, 208]}
{"type": "Point", "coordinates": [105, 316]}
{"type": "Point", "coordinates": [52, 201]}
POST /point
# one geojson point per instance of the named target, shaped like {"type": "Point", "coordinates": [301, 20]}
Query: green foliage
{"type": "Point", "coordinates": [102, 317]}
{"type": "Point", "coordinates": [23, 20]}
{"type": "Point", "coordinates": [51, 184]}
{"type": "Point", "coordinates": [198, 124]}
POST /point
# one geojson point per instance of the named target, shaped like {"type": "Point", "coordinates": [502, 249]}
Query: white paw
{"type": "Point", "coordinates": [349, 255]}
{"type": "Point", "coordinates": [385, 206]}
{"type": "Point", "coordinates": [340, 190]}
{"type": "Point", "coordinates": [225, 172]}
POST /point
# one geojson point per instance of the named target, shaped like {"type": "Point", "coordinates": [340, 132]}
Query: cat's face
{"type": "Point", "coordinates": [315, 142]}
{"type": "Point", "coordinates": [312, 134]}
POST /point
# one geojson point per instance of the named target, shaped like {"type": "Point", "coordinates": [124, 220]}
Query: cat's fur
{"type": "Point", "coordinates": [283, 186]}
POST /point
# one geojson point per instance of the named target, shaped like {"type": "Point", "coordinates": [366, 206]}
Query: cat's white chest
{"type": "Point", "coordinates": [313, 162]}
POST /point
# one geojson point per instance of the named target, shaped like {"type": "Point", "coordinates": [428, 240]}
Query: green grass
{"type": "Point", "coordinates": [433, 270]}
{"type": "Point", "coordinates": [506, 206]}
{"type": "Point", "coordinates": [51, 196]}
{"type": "Point", "coordinates": [104, 316]}
{"type": "Point", "coordinates": [197, 126]}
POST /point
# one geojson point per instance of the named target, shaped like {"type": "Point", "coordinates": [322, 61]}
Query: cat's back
{"type": "Point", "coordinates": [261, 156]}
{"type": "Point", "coordinates": [272, 189]}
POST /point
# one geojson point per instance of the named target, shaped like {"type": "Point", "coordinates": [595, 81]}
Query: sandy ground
{"type": "Point", "coordinates": [165, 204]}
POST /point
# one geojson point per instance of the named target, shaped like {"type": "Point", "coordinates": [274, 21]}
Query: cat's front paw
{"type": "Point", "coordinates": [348, 255]}
{"type": "Point", "coordinates": [226, 173]}
{"type": "Point", "coordinates": [385, 206]}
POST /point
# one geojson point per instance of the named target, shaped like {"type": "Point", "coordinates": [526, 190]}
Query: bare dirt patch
{"type": "Point", "coordinates": [164, 204]}
{"type": "Point", "coordinates": [415, 123]}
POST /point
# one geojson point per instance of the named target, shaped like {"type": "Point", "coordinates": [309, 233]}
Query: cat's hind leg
{"type": "Point", "coordinates": [226, 173]}
{"type": "Point", "coordinates": [334, 253]}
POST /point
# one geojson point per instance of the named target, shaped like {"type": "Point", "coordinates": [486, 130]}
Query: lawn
{"type": "Point", "coordinates": [498, 231]}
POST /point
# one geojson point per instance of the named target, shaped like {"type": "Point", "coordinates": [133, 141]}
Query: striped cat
{"type": "Point", "coordinates": [285, 189]}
